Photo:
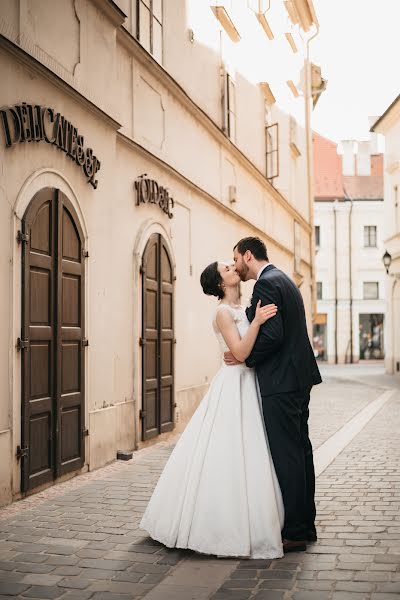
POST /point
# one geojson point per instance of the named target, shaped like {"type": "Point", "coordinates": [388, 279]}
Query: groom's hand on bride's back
{"type": "Point", "coordinates": [230, 360]}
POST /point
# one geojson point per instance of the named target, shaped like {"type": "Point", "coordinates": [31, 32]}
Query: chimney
{"type": "Point", "coordinates": [348, 158]}
{"type": "Point", "coordinates": [363, 159]}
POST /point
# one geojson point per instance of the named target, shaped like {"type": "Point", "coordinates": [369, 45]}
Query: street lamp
{"type": "Point", "coordinates": [387, 261]}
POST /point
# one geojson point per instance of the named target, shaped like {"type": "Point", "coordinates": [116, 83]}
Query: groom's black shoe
{"type": "Point", "coordinates": [311, 535]}
{"type": "Point", "coordinates": [294, 545]}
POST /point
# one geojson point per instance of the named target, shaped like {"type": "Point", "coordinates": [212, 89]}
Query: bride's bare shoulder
{"type": "Point", "coordinates": [224, 314]}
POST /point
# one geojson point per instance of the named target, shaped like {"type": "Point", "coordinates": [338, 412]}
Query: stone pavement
{"type": "Point", "coordinates": [80, 539]}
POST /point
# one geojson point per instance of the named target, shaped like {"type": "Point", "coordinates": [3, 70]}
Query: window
{"type": "Point", "coordinates": [370, 236]}
{"type": "Point", "coordinates": [149, 26]}
{"type": "Point", "coordinates": [319, 290]}
{"type": "Point", "coordinates": [230, 107]}
{"type": "Point", "coordinates": [317, 230]}
{"type": "Point", "coordinates": [272, 151]}
{"type": "Point", "coordinates": [371, 290]}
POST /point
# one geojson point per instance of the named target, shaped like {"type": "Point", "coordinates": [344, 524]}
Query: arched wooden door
{"type": "Point", "coordinates": [157, 340]}
{"type": "Point", "coordinates": [52, 345]}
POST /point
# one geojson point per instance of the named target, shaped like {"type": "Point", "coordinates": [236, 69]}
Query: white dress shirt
{"type": "Point", "coordinates": [261, 270]}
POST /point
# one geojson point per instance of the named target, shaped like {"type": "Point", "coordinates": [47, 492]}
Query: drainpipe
{"type": "Point", "coordinates": [348, 199]}
{"type": "Point", "coordinates": [310, 169]}
{"type": "Point", "coordinates": [351, 282]}
{"type": "Point", "coordinates": [336, 273]}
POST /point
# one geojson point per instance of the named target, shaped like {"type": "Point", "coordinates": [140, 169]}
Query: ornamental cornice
{"type": "Point", "coordinates": [114, 14]}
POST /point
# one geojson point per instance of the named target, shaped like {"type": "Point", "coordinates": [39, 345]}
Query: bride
{"type": "Point", "coordinates": [218, 493]}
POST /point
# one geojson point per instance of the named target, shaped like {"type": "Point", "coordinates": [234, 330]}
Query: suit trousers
{"type": "Point", "coordinates": [286, 420]}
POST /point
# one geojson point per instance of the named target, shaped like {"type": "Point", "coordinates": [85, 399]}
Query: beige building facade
{"type": "Point", "coordinates": [135, 149]}
{"type": "Point", "coordinates": [388, 125]}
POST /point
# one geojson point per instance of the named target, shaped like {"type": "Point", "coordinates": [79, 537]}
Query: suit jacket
{"type": "Point", "coordinates": [282, 354]}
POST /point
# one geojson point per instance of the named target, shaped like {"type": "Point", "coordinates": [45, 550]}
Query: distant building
{"type": "Point", "coordinates": [350, 277]}
{"type": "Point", "coordinates": [388, 124]}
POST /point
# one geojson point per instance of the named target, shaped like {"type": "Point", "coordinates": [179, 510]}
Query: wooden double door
{"type": "Point", "coordinates": [157, 340]}
{"type": "Point", "coordinates": [52, 340]}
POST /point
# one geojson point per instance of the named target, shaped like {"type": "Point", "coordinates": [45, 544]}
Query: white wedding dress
{"type": "Point", "coordinates": [218, 493]}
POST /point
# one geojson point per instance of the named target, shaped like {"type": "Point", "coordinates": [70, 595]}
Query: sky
{"type": "Point", "coordinates": [358, 49]}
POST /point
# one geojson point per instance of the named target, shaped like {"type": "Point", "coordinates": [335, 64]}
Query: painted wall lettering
{"type": "Point", "coordinates": [34, 123]}
{"type": "Point", "coordinates": [149, 191]}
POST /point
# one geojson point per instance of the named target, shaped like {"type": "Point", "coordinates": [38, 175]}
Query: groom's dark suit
{"type": "Point", "coordinates": [286, 371]}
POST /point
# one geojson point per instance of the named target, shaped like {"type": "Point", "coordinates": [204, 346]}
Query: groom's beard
{"type": "Point", "coordinates": [243, 273]}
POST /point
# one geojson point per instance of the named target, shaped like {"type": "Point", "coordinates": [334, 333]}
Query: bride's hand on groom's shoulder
{"type": "Point", "coordinates": [263, 313]}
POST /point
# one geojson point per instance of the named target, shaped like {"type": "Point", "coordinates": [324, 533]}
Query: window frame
{"type": "Point", "coordinates": [271, 150]}
{"type": "Point", "coordinates": [317, 235]}
{"type": "Point", "coordinates": [367, 296]}
{"type": "Point", "coordinates": [370, 241]}
{"type": "Point", "coordinates": [142, 5]}
{"type": "Point", "coordinates": [319, 290]}
{"type": "Point", "coordinates": [229, 107]}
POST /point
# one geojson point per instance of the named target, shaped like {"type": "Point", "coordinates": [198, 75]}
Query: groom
{"type": "Point", "coordinates": [286, 371]}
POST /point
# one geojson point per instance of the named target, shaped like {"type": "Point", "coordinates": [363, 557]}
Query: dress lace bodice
{"type": "Point", "coordinates": [239, 316]}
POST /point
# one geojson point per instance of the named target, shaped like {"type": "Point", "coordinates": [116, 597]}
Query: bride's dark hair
{"type": "Point", "coordinates": [211, 281]}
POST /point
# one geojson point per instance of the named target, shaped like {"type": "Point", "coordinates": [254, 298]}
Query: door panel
{"type": "Point", "coordinates": [158, 342]}
{"type": "Point", "coordinates": [42, 232]}
{"type": "Point", "coordinates": [150, 366]}
{"type": "Point", "coordinates": [38, 327]}
{"type": "Point", "coordinates": [53, 323]}
{"type": "Point", "coordinates": [166, 341]}
{"type": "Point", "coordinates": [40, 435]}
{"type": "Point", "coordinates": [70, 338]}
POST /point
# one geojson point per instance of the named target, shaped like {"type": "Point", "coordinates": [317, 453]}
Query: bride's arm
{"type": "Point", "coordinates": [241, 347]}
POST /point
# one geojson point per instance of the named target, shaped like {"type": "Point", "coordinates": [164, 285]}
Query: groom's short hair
{"type": "Point", "coordinates": [255, 245]}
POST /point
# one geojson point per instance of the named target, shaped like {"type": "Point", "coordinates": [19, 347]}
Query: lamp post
{"type": "Point", "coordinates": [387, 261]}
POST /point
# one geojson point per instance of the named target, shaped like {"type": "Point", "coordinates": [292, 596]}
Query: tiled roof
{"type": "Point", "coordinates": [328, 180]}
{"type": "Point", "coordinates": [329, 183]}
{"type": "Point", "coordinates": [361, 187]}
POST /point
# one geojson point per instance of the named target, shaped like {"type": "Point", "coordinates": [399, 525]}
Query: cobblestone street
{"type": "Point", "coordinates": [80, 539]}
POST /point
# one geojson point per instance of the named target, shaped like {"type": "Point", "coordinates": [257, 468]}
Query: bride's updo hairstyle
{"type": "Point", "coordinates": [211, 281]}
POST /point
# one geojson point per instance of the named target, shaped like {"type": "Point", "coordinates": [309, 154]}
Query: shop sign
{"type": "Point", "coordinates": [150, 192]}
{"type": "Point", "coordinates": [34, 123]}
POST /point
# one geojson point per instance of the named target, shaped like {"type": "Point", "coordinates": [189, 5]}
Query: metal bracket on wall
{"type": "Point", "coordinates": [22, 344]}
{"type": "Point", "coordinates": [22, 237]}
{"type": "Point", "coordinates": [22, 452]}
